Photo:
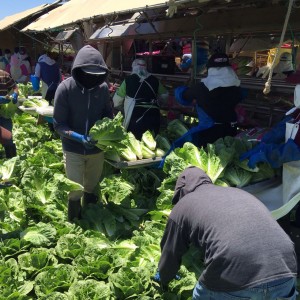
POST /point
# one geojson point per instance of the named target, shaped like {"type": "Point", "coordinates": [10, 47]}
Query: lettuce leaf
{"type": "Point", "coordinates": [108, 132]}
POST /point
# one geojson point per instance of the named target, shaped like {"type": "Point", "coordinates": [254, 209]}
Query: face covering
{"type": "Point", "coordinates": [89, 81]}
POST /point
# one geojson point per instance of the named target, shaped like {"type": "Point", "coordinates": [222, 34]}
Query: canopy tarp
{"type": "Point", "coordinates": [13, 19]}
{"type": "Point", "coordinates": [78, 10]}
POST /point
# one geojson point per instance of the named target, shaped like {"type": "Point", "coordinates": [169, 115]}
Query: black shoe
{"type": "Point", "coordinates": [88, 198]}
{"type": "Point", "coordinates": [74, 210]}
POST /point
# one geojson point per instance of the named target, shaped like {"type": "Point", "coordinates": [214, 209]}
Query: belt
{"type": "Point", "coordinates": [232, 124]}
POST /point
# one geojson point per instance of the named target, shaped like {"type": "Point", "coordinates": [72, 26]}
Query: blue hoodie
{"type": "Point", "coordinates": [81, 100]}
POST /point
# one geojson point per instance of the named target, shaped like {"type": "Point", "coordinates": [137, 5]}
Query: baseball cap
{"type": "Point", "coordinates": [218, 60]}
{"type": "Point", "coordinates": [94, 70]}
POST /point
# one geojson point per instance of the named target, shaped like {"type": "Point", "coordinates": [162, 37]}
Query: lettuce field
{"type": "Point", "coordinates": [113, 251]}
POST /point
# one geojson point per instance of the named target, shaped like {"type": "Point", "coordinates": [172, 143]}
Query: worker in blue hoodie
{"type": "Point", "coordinates": [79, 102]}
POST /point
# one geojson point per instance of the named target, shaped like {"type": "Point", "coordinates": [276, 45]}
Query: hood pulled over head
{"type": "Point", "coordinates": [89, 68]}
{"type": "Point", "coordinates": [188, 181]}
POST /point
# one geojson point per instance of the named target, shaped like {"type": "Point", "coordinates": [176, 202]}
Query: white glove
{"type": "Point", "coordinates": [172, 8]}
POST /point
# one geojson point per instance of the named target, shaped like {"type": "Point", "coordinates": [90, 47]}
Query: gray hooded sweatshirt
{"type": "Point", "coordinates": [81, 100]}
{"type": "Point", "coordinates": [243, 245]}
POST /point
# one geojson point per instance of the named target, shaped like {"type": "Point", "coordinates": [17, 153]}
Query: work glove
{"type": "Point", "coordinates": [86, 140]}
{"type": "Point", "coordinates": [164, 287]}
{"type": "Point", "coordinates": [179, 96]}
{"type": "Point", "coordinates": [89, 143]}
{"type": "Point", "coordinates": [35, 82]}
{"type": "Point", "coordinates": [273, 154]}
{"type": "Point", "coordinates": [4, 100]}
{"type": "Point", "coordinates": [14, 97]}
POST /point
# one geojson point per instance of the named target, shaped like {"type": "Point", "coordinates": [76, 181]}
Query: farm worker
{"type": "Point", "coordinates": [47, 70]}
{"type": "Point", "coordinates": [79, 102]}
{"type": "Point", "coordinates": [247, 255]}
{"type": "Point", "coordinates": [8, 92]}
{"type": "Point", "coordinates": [6, 57]}
{"type": "Point", "coordinates": [17, 68]}
{"type": "Point", "coordinates": [25, 59]}
{"type": "Point", "coordinates": [139, 96]}
{"type": "Point", "coordinates": [186, 60]}
{"type": "Point", "coordinates": [2, 61]}
{"type": "Point", "coordinates": [216, 97]}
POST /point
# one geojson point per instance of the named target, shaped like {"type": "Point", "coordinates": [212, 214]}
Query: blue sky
{"type": "Point", "coordinates": [11, 7]}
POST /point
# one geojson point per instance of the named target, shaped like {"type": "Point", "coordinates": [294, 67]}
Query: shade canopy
{"type": "Point", "coordinates": [16, 18]}
{"type": "Point", "coordinates": [78, 10]}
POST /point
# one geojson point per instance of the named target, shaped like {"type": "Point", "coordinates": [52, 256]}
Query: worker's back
{"type": "Point", "coordinates": [244, 245]}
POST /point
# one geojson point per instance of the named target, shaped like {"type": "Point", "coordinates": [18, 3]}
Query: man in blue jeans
{"type": "Point", "coordinates": [247, 254]}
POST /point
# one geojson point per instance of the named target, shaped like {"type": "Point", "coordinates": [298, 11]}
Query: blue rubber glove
{"type": "Point", "coordinates": [4, 100]}
{"type": "Point", "coordinates": [156, 277]}
{"type": "Point", "coordinates": [274, 154]}
{"type": "Point", "coordinates": [179, 96]}
{"type": "Point", "coordinates": [35, 82]}
{"type": "Point", "coordinates": [87, 142]}
{"type": "Point", "coordinates": [277, 133]}
{"type": "Point", "coordinates": [14, 98]}
{"type": "Point", "coordinates": [186, 64]}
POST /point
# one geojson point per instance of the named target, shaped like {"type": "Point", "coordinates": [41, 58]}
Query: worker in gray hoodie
{"type": "Point", "coordinates": [79, 102]}
{"type": "Point", "coordinates": [247, 255]}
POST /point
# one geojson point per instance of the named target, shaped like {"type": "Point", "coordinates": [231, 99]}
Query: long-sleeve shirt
{"type": "Point", "coordinates": [244, 246]}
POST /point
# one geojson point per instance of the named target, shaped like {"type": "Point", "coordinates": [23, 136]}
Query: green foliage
{"type": "Point", "coordinates": [176, 129]}
{"type": "Point", "coordinates": [135, 145]}
{"type": "Point", "coordinates": [115, 189]}
{"type": "Point", "coordinates": [90, 289]}
{"type": "Point", "coordinates": [108, 132]}
{"type": "Point", "coordinates": [148, 140]}
{"type": "Point", "coordinates": [8, 110]}
{"type": "Point", "coordinates": [25, 90]}
{"type": "Point", "coordinates": [35, 102]}
{"type": "Point", "coordinates": [36, 260]}
{"type": "Point", "coordinates": [113, 252]}
{"type": "Point", "coordinates": [39, 235]}
{"type": "Point", "coordinates": [70, 246]}
{"type": "Point", "coordinates": [163, 143]}
{"type": "Point", "coordinates": [147, 153]}
{"type": "Point", "coordinates": [56, 279]}
{"type": "Point", "coordinates": [237, 176]}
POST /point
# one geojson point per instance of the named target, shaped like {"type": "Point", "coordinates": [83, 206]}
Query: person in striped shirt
{"type": "Point", "coordinates": [8, 92]}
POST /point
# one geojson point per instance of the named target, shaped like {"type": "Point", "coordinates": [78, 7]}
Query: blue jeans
{"type": "Point", "coordinates": [280, 289]}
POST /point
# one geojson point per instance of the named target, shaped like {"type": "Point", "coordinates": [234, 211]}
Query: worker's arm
{"type": "Point", "coordinates": [15, 94]}
{"type": "Point", "coordinates": [37, 70]}
{"type": "Point", "coordinates": [119, 96]}
{"type": "Point", "coordinates": [173, 245]}
{"type": "Point", "coordinates": [185, 95]}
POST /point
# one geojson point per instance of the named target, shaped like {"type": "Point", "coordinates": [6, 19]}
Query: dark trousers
{"type": "Point", "coordinates": [144, 119]}
{"type": "Point", "coordinates": [50, 97]}
{"type": "Point", "coordinates": [9, 147]}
